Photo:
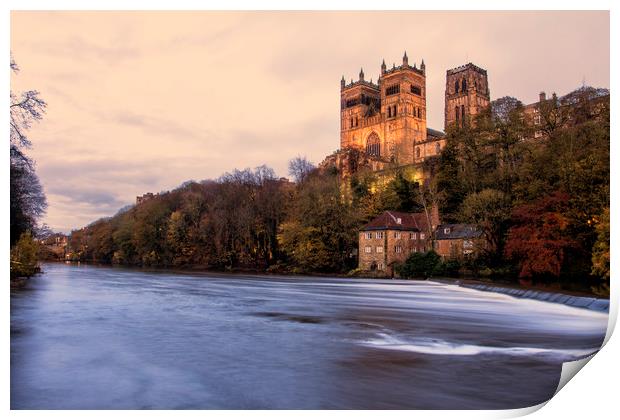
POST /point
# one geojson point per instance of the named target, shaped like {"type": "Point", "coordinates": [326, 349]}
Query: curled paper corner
{"type": "Point", "coordinates": [570, 369]}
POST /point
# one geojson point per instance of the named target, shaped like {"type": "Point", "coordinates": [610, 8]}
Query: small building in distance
{"type": "Point", "coordinates": [455, 241]}
{"type": "Point", "coordinates": [391, 237]}
{"type": "Point", "coordinates": [145, 197]}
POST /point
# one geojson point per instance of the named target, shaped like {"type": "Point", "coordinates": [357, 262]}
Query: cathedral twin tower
{"type": "Point", "coordinates": [388, 119]}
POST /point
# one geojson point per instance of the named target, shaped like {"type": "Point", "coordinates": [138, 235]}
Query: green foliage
{"type": "Point", "coordinates": [600, 252]}
{"type": "Point", "coordinates": [492, 167]}
{"type": "Point", "coordinates": [450, 268]}
{"type": "Point", "coordinates": [320, 233]}
{"type": "Point", "coordinates": [24, 256]}
{"type": "Point", "coordinates": [419, 265]}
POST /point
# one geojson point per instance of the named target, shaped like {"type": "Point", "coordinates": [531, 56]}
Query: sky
{"type": "Point", "coordinates": [144, 101]}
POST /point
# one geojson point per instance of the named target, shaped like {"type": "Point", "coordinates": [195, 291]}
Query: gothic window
{"type": "Point", "coordinates": [417, 152]}
{"type": "Point", "coordinates": [389, 112]}
{"type": "Point", "coordinates": [464, 85]}
{"type": "Point", "coordinates": [416, 90]}
{"type": "Point", "coordinates": [392, 90]}
{"type": "Point", "coordinates": [463, 113]}
{"type": "Point", "coordinates": [394, 111]}
{"type": "Point", "coordinates": [456, 86]}
{"type": "Point", "coordinates": [356, 122]}
{"type": "Point", "coordinates": [373, 144]}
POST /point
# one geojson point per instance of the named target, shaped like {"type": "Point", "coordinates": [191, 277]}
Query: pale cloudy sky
{"type": "Point", "coordinates": [143, 101]}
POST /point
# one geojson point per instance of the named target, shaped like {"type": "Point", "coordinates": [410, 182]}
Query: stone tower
{"type": "Point", "coordinates": [467, 93]}
{"type": "Point", "coordinates": [387, 119]}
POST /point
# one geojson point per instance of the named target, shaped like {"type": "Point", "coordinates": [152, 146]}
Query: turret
{"type": "Point", "coordinates": [423, 67]}
{"type": "Point", "coordinates": [383, 67]}
{"type": "Point", "coordinates": [361, 75]}
{"type": "Point", "coordinates": [342, 82]}
{"type": "Point", "coordinates": [405, 59]}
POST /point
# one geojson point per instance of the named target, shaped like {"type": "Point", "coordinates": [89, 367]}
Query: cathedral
{"type": "Point", "coordinates": [387, 119]}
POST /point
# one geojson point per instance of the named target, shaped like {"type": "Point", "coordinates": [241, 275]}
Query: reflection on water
{"type": "Point", "coordinates": [108, 338]}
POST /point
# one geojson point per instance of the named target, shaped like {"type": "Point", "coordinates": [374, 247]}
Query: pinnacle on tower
{"type": "Point", "coordinates": [342, 82]}
{"type": "Point", "coordinates": [383, 67]}
{"type": "Point", "coordinates": [405, 59]}
{"type": "Point", "coordinates": [361, 74]}
{"type": "Point", "coordinates": [423, 67]}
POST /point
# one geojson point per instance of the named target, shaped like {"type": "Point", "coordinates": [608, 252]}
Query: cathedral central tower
{"type": "Point", "coordinates": [387, 119]}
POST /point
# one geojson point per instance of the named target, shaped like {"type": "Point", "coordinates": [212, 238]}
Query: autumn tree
{"type": "Point", "coordinates": [539, 239]}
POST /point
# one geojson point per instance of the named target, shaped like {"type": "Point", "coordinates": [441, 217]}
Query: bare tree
{"type": "Point", "coordinates": [299, 168]}
{"type": "Point", "coordinates": [28, 201]}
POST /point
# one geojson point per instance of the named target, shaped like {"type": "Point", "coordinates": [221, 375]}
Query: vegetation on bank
{"type": "Point", "coordinates": [542, 203]}
{"type": "Point", "coordinates": [28, 202]}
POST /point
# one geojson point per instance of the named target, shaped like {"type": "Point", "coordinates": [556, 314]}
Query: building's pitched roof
{"type": "Point", "coordinates": [389, 220]}
{"type": "Point", "coordinates": [434, 133]}
{"type": "Point", "coordinates": [457, 231]}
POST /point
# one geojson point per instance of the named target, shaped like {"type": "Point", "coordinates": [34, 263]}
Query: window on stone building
{"type": "Point", "coordinates": [416, 90]}
{"type": "Point", "coordinates": [399, 220]}
{"type": "Point", "coordinates": [413, 235]}
{"type": "Point", "coordinates": [422, 235]}
{"type": "Point", "coordinates": [398, 249]}
{"type": "Point", "coordinates": [415, 249]}
{"type": "Point", "coordinates": [464, 85]}
{"type": "Point", "coordinates": [373, 144]}
{"type": "Point", "coordinates": [396, 235]}
{"type": "Point", "coordinates": [456, 86]}
{"type": "Point", "coordinates": [446, 230]}
{"type": "Point", "coordinates": [379, 249]}
{"type": "Point", "coordinates": [456, 113]}
{"type": "Point", "coordinates": [351, 123]}
{"type": "Point", "coordinates": [356, 122]}
{"type": "Point", "coordinates": [463, 113]}
{"type": "Point", "coordinates": [394, 111]}
{"type": "Point", "coordinates": [392, 90]}
{"type": "Point", "coordinates": [417, 152]}
{"type": "Point", "coordinates": [389, 112]}
{"type": "Point", "coordinates": [368, 249]}
{"type": "Point", "coordinates": [368, 235]}
{"type": "Point", "coordinates": [380, 266]}
{"type": "Point", "coordinates": [379, 235]}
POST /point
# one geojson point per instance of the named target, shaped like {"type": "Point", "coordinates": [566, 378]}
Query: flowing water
{"type": "Point", "coordinates": [85, 337]}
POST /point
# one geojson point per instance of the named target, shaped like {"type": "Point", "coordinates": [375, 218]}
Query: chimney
{"type": "Point", "coordinates": [542, 96]}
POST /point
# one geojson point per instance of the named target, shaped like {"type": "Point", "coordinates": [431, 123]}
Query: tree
{"type": "Point", "coordinates": [420, 265]}
{"type": "Point", "coordinates": [299, 168]}
{"type": "Point", "coordinates": [28, 201]}
{"type": "Point", "coordinates": [490, 211]}
{"type": "Point", "coordinates": [600, 253]}
{"type": "Point", "coordinates": [539, 239]}
{"type": "Point", "coordinates": [24, 256]}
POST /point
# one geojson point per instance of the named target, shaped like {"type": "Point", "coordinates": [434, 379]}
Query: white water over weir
{"type": "Point", "coordinates": [592, 303]}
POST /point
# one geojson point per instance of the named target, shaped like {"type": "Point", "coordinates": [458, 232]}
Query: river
{"type": "Point", "coordinates": [87, 337]}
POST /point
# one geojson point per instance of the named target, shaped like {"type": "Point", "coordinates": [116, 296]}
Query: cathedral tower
{"type": "Point", "coordinates": [467, 93]}
{"type": "Point", "coordinates": [387, 119]}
